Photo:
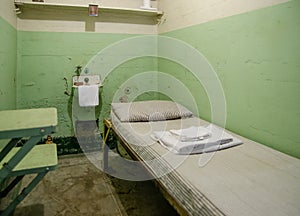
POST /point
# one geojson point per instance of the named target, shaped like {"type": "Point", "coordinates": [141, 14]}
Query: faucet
{"type": "Point", "coordinates": [78, 70]}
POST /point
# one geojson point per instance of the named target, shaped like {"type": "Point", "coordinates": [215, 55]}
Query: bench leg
{"type": "Point", "coordinates": [8, 147]}
{"type": "Point", "coordinates": [10, 165]}
{"type": "Point", "coordinates": [4, 192]}
{"type": "Point", "coordinates": [23, 194]}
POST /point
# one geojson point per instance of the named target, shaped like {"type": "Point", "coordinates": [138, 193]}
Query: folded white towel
{"type": "Point", "coordinates": [88, 95]}
{"type": "Point", "coordinates": [219, 139]}
{"type": "Point", "coordinates": [192, 133]}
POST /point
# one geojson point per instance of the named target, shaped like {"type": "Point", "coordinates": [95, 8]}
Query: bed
{"type": "Point", "coordinates": [245, 178]}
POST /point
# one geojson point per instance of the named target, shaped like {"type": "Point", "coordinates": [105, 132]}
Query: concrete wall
{"type": "Point", "coordinates": [70, 19]}
{"type": "Point", "coordinates": [46, 59]}
{"type": "Point", "coordinates": [52, 43]}
{"type": "Point", "coordinates": [256, 57]}
{"type": "Point", "coordinates": [180, 14]}
{"type": "Point", "coordinates": [8, 55]}
{"type": "Point", "coordinates": [252, 45]}
{"type": "Point", "coordinates": [7, 12]}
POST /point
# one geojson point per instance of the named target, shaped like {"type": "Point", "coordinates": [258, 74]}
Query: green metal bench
{"type": "Point", "coordinates": [16, 162]}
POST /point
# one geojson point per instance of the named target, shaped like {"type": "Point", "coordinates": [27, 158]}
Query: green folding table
{"type": "Point", "coordinates": [16, 162]}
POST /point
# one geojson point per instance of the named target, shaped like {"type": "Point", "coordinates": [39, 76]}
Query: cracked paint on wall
{"type": "Point", "coordinates": [47, 62]}
{"type": "Point", "coordinates": [8, 65]}
{"type": "Point", "coordinates": [256, 56]}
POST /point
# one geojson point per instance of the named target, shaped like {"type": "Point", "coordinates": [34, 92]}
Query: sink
{"type": "Point", "coordinates": [86, 80]}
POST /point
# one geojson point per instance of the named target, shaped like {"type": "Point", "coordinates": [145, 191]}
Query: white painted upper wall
{"type": "Point", "coordinates": [182, 13]}
{"type": "Point", "coordinates": [83, 26]}
{"type": "Point", "coordinates": [7, 12]}
{"type": "Point", "coordinates": [177, 14]}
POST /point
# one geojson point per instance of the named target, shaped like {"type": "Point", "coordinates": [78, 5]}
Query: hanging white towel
{"type": "Point", "coordinates": [88, 95]}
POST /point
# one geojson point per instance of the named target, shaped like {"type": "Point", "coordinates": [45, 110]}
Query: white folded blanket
{"type": "Point", "coordinates": [192, 133]}
{"type": "Point", "coordinates": [218, 139]}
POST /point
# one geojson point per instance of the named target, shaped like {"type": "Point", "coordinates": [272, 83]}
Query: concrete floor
{"type": "Point", "coordinates": [77, 187]}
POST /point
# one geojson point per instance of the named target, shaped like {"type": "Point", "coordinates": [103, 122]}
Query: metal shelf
{"type": "Point", "coordinates": [117, 10]}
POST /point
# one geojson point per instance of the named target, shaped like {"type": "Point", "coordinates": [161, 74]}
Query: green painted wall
{"type": "Point", "coordinates": [257, 58]}
{"type": "Point", "coordinates": [46, 58]}
{"type": "Point", "coordinates": [194, 89]}
{"type": "Point", "coordinates": [8, 62]}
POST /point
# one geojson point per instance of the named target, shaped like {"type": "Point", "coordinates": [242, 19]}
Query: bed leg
{"type": "Point", "coordinates": [105, 157]}
{"type": "Point", "coordinates": [107, 127]}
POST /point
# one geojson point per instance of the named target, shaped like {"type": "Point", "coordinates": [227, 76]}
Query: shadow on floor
{"type": "Point", "coordinates": [142, 198]}
{"type": "Point", "coordinates": [77, 187]}
{"type": "Point", "coordinates": [31, 210]}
